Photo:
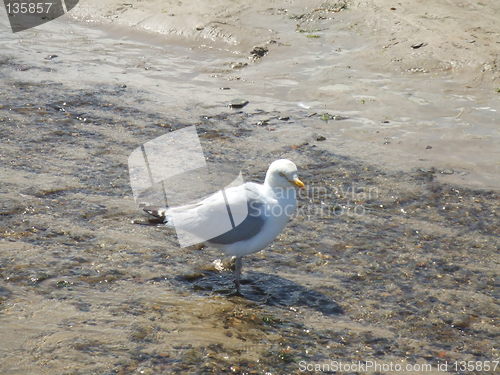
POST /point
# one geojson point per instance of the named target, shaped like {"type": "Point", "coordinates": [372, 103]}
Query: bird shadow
{"type": "Point", "coordinates": [264, 289]}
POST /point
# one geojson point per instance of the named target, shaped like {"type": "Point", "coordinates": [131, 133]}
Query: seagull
{"type": "Point", "coordinates": [270, 207]}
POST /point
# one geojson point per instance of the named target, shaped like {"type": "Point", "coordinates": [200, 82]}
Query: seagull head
{"type": "Point", "coordinates": [282, 173]}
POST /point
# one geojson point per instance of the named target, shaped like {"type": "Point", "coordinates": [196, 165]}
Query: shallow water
{"type": "Point", "coordinates": [391, 264]}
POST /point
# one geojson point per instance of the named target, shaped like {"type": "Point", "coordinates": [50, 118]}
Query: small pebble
{"type": "Point", "coordinates": [418, 45]}
{"type": "Point", "coordinates": [238, 65]}
{"type": "Point", "coordinates": [447, 171]}
{"type": "Point", "coordinates": [238, 103]}
{"type": "Point", "coordinates": [257, 52]}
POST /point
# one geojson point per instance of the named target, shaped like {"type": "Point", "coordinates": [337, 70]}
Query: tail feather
{"type": "Point", "coordinates": [157, 212]}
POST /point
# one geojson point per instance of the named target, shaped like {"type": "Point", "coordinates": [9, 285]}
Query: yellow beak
{"type": "Point", "coordinates": [298, 183]}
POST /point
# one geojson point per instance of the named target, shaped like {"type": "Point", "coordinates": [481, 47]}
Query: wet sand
{"type": "Point", "coordinates": [418, 81]}
{"type": "Point", "coordinates": [390, 258]}
{"type": "Point", "coordinates": [428, 36]}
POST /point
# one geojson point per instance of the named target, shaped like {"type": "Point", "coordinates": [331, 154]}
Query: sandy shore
{"type": "Point", "coordinates": [425, 36]}
{"type": "Point", "coordinates": [419, 82]}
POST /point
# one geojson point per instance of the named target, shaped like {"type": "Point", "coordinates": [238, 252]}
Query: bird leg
{"type": "Point", "coordinates": [237, 274]}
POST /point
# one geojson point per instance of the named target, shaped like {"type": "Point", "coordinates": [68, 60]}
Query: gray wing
{"type": "Point", "coordinates": [253, 222]}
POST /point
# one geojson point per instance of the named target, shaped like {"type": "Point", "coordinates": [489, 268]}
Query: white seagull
{"type": "Point", "coordinates": [270, 206]}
